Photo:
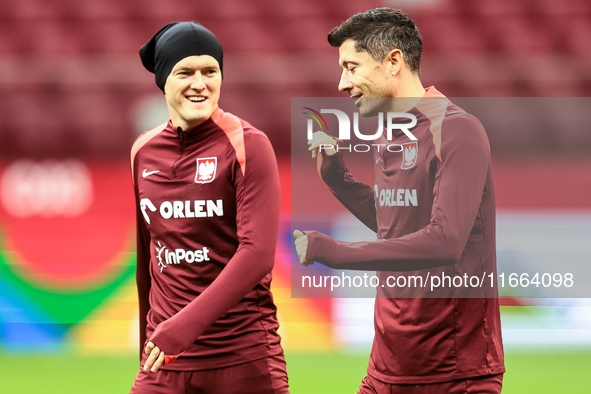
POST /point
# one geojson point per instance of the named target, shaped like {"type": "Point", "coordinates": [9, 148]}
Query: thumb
{"type": "Point", "coordinates": [297, 233]}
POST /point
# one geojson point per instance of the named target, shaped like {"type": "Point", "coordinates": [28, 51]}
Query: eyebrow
{"type": "Point", "coordinates": [192, 68]}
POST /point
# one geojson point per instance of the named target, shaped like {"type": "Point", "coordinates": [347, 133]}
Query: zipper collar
{"type": "Point", "coordinates": [199, 132]}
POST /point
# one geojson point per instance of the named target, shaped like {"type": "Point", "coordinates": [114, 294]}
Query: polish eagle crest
{"type": "Point", "coordinates": [206, 169]}
{"type": "Point", "coordinates": [410, 153]}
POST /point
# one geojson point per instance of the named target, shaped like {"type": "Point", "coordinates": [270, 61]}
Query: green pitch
{"type": "Point", "coordinates": [310, 373]}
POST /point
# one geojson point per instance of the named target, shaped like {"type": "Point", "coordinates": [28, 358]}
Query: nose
{"type": "Point", "coordinates": [197, 82]}
{"type": "Point", "coordinates": [345, 84]}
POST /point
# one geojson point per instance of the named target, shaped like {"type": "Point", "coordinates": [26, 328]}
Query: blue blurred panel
{"type": "Point", "coordinates": [23, 326]}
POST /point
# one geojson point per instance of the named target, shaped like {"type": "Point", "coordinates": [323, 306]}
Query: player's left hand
{"type": "Point", "coordinates": [156, 357]}
{"type": "Point", "coordinates": [301, 244]}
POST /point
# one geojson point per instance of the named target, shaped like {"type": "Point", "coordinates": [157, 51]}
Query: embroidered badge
{"type": "Point", "coordinates": [410, 152]}
{"type": "Point", "coordinates": [206, 169]}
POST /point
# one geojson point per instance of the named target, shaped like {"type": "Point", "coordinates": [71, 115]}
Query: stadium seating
{"type": "Point", "coordinates": [71, 67]}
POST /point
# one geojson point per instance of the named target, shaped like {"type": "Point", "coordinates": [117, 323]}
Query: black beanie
{"type": "Point", "coordinates": [173, 43]}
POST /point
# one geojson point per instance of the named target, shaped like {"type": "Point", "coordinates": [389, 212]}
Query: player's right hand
{"type": "Point", "coordinates": [156, 357]}
{"type": "Point", "coordinates": [322, 141]}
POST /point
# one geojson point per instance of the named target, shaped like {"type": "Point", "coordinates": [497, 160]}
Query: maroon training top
{"type": "Point", "coordinates": [207, 218]}
{"type": "Point", "coordinates": [431, 206]}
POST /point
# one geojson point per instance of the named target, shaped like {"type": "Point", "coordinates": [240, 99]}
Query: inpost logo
{"type": "Point", "coordinates": [345, 129]}
{"type": "Point", "coordinates": [168, 257]}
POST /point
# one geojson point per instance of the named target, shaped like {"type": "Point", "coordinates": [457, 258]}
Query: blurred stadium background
{"type": "Point", "coordinates": [73, 97]}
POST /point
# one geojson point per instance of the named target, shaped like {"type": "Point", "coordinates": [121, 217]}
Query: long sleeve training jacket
{"type": "Point", "coordinates": [207, 219]}
{"type": "Point", "coordinates": [433, 209]}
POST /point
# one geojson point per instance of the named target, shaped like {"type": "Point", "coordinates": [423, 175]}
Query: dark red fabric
{"type": "Point", "coordinates": [206, 248]}
{"type": "Point", "coordinates": [450, 228]}
{"type": "Point", "coordinates": [479, 385]}
{"type": "Point", "coordinates": [264, 376]}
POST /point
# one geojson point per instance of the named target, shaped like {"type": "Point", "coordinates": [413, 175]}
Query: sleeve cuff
{"type": "Point", "coordinates": [319, 245]}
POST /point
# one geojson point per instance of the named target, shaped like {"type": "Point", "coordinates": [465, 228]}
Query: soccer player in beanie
{"type": "Point", "coordinates": [207, 199]}
{"type": "Point", "coordinates": [422, 344]}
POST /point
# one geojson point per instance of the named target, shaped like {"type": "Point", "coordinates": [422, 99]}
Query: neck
{"type": "Point", "coordinates": [408, 94]}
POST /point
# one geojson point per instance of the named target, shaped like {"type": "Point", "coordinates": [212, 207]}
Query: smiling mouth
{"type": "Point", "coordinates": [196, 99]}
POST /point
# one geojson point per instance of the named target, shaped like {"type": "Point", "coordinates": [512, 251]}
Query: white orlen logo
{"type": "Point", "coordinates": [184, 209]}
{"type": "Point", "coordinates": [410, 153]}
{"type": "Point", "coordinates": [206, 169]}
{"type": "Point", "coordinates": [396, 197]}
{"type": "Point", "coordinates": [168, 257]}
{"type": "Point", "coordinates": [146, 203]}
{"type": "Point", "coordinates": [146, 173]}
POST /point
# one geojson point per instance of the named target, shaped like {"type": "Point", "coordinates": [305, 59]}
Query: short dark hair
{"type": "Point", "coordinates": [380, 31]}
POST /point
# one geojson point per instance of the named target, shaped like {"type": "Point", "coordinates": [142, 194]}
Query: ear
{"type": "Point", "coordinates": [396, 60]}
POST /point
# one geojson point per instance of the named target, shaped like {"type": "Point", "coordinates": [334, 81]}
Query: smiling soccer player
{"type": "Point", "coordinates": [207, 194]}
{"type": "Point", "coordinates": [432, 208]}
